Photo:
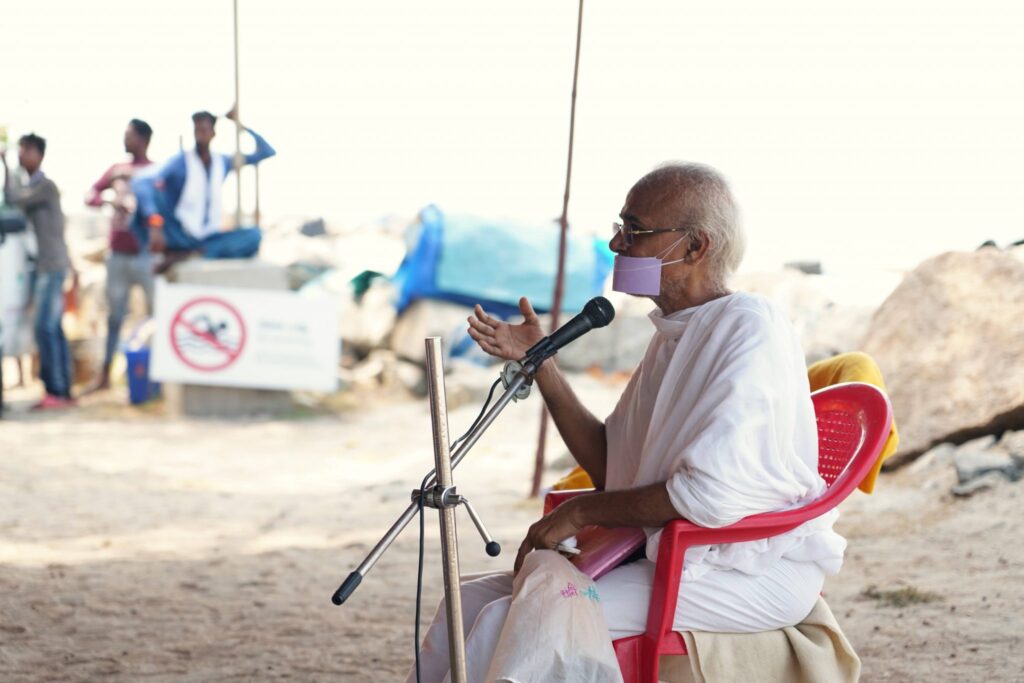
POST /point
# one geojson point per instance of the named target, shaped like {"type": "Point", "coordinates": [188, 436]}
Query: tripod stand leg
{"type": "Point", "coordinates": [449, 536]}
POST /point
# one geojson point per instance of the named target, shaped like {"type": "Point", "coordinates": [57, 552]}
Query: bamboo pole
{"type": "Point", "coordinates": [238, 132]}
{"type": "Point", "coordinates": [556, 304]}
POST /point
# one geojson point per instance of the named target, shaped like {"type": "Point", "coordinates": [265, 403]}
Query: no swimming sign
{"type": "Point", "coordinates": [226, 336]}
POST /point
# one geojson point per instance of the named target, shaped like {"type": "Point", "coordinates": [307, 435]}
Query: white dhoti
{"type": "Point", "coordinates": [719, 601]}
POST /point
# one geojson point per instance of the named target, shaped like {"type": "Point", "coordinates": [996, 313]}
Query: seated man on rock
{"type": "Point", "coordinates": [716, 424]}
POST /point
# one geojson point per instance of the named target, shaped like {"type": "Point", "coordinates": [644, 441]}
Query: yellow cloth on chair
{"type": "Point", "coordinates": [846, 367]}
{"type": "Point", "coordinates": [577, 479]}
{"type": "Point", "coordinates": [855, 367]}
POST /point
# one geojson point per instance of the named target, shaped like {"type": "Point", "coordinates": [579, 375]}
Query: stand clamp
{"type": "Point", "coordinates": [441, 498]}
{"type": "Point", "coordinates": [437, 497]}
{"type": "Point", "coordinates": [514, 369]}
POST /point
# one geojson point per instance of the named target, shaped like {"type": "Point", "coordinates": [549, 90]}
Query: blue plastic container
{"type": "Point", "coordinates": [140, 389]}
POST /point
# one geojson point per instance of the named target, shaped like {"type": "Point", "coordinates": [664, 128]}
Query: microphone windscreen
{"type": "Point", "coordinates": [599, 311]}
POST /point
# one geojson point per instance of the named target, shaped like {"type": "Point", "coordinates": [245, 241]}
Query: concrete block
{"type": "Point", "coordinates": [245, 273]}
{"type": "Point", "coordinates": [225, 402]}
{"type": "Point", "coordinates": [204, 401]}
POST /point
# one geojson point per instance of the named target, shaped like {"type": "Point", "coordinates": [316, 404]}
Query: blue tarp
{"type": "Point", "coordinates": [469, 260]}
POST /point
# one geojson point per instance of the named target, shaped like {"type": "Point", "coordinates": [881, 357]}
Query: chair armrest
{"type": "Point", "coordinates": [751, 528]}
{"type": "Point", "coordinates": [556, 498]}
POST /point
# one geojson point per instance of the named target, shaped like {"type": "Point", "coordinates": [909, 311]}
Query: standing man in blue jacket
{"type": "Point", "coordinates": [179, 205]}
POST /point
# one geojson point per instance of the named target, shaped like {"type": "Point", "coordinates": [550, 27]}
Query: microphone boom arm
{"type": "Point", "coordinates": [517, 378]}
{"type": "Point", "coordinates": [523, 377]}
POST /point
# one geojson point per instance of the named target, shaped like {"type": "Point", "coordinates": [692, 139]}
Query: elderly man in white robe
{"type": "Point", "coordinates": [715, 425]}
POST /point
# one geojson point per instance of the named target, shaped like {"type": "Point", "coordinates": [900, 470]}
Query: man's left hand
{"type": "Point", "coordinates": [233, 116]}
{"type": "Point", "coordinates": [548, 531]}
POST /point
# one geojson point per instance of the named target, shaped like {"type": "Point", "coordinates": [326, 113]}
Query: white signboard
{"type": "Point", "coordinates": [232, 337]}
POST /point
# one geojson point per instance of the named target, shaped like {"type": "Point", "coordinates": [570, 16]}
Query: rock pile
{"type": "Point", "coordinates": [950, 340]}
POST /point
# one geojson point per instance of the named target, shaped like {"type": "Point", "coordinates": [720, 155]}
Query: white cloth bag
{"type": "Point", "coordinates": [555, 630]}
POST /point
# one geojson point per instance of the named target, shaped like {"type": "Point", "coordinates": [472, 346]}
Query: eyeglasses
{"type": "Point", "coordinates": [629, 234]}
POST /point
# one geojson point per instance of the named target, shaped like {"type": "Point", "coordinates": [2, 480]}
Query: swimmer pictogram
{"type": "Point", "coordinates": [207, 334]}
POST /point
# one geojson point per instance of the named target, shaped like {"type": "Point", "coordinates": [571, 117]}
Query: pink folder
{"type": "Point", "coordinates": [602, 550]}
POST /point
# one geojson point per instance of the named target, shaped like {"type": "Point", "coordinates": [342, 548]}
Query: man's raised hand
{"type": "Point", "coordinates": [501, 339]}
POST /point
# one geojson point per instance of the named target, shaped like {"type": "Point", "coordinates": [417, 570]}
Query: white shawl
{"type": "Point", "coordinates": [199, 207]}
{"type": "Point", "coordinates": [720, 410]}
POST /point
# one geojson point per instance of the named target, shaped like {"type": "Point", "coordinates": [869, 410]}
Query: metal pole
{"type": "Point", "coordinates": [256, 175]}
{"type": "Point", "coordinates": [556, 304]}
{"type": "Point", "coordinates": [238, 134]}
{"type": "Point", "coordinates": [449, 537]}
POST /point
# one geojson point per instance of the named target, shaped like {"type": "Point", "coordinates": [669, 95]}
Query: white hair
{"type": "Point", "coordinates": [708, 205]}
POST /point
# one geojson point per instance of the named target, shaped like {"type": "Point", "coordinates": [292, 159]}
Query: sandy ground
{"type": "Point", "coordinates": [134, 546]}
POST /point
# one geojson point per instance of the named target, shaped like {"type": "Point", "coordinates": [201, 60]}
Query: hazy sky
{"type": "Point", "coordinates": [867, 135]}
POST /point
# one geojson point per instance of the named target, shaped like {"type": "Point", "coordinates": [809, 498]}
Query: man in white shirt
{"type": "Point", "coordinates": [715, 425]}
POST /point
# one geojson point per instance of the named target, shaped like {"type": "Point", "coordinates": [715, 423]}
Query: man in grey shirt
{"type": "Point", "coordinates": [39, 198]}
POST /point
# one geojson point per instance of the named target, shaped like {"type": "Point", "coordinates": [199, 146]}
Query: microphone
{"type": "Point", "coordinates": [598, 312]}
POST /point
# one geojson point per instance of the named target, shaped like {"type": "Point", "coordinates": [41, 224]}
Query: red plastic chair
{"type": "Point", "coordinates": [853, 422]}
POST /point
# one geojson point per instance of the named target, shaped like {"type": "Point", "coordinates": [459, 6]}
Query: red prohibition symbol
{"type": "Point", "coordinates": [207, 334]}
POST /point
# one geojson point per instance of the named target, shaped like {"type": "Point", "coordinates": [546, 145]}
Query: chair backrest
{"type": "Point", "coordinates": [849, 415]}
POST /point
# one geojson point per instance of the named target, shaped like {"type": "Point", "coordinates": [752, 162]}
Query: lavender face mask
{"type": "Point", "coordinates": [641, 275]}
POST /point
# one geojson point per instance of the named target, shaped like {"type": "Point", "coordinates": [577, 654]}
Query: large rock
{"type": "Point", "coordinates": [830, 313]}
{"type": "Point", "coordinates": [949, 341]}
{"type": "Point", "coordinates": [431, 318]}
{"type": "Point", "coordinates": [364, 324]}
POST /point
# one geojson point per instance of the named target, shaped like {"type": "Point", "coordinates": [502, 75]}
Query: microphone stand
{"type": "Point", "coordinates": [440, 493]}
